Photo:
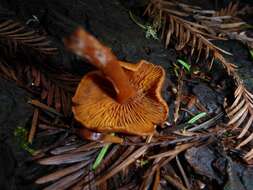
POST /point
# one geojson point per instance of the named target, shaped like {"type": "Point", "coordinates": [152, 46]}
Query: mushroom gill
{"type": "Point", "coordinates": [95, 107]}
{"type": "Point", "coordinates": [120, 97]}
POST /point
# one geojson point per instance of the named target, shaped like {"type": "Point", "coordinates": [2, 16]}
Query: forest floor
{"type": "Point", "coordinates": [209, 162]}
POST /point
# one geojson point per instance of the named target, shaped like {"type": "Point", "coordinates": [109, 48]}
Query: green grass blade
{"type": "Point", "coordinates": [100, 156]}
{"type": "Point", "coordinates": [197, 117]}
{"type": "Point", "coordinates": [247, 26]}
{"type": "Point", "coordinates": [251, 53]}
{"type": "Point", "coordinates": [187, 66]}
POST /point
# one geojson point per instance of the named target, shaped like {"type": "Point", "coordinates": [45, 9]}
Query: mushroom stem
{"type": "Point", "coordinates": [120, 81]}
{"type": "Point", "coordinates": [85, 45]}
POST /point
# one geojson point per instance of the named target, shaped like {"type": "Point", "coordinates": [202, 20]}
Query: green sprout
{"type": "Point", "coordinates": [227, 134]}
{"type": "Point", "coordinates": [143, 162]}
{"type": "Point", "coordinates": [185, 65]}
{"type": "Point", "coordinates": [101, 155]}
{"type": "Point", "coordinates": [251, 53]}
{"type": "Point", "coordinates": [247, 26]}
{"type": "Point", "coordinates": [150, 30]}
{"type": "Point", "coordinates": [197, 117]}
{"type": "Point", "coordinates": [21, 135]}
{"type": "Point", "coordinates": [176, 68]}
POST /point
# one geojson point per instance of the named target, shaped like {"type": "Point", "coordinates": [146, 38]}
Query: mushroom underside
{"type": "Point", "coordinates": [95, 107]}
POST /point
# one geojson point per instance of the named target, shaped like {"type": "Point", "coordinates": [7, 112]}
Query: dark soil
{"type": "Point", "coordinates": [14, 112]}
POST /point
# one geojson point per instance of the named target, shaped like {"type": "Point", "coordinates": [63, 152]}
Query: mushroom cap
{"type": "Point", "coordinates": [95, 107]}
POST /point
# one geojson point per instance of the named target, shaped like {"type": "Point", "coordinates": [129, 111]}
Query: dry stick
{"type": "Point", "coordinates": [123, 156]}
{"type": "Point", "coordinates": [79, 185]}
{"type": "Point", "coordinates": [162, 160]}
{"type": "Point", "coordinates": [171, 172]}
{"type": "Point", "coordinates": [139, 152]}
{"type": "Point", "coordinates": [175, 152]}
{"type": "Point", "coordinates": [67, 158]}
{"type": "Point", "coordinates": [86, 181]}
{"type": "Point", "coordinates": [174, 183]}
{"type": "Point", "coordinates": [44, 107]}
{"type": "Point", "coordinates": [108, 159]}
{"type": "Point", "coordinates": [249, 155]}
{"type": "Point", "coordinates": [88, 147]}
{"type": "Point", "coordinates": [34, 125]}
{"type": "Point", "coordinates": [62, 172]}
{"type": "Point", "coordinates": [201, 107]}
{"type": "Point", "coordinates": [41, 152]}
{"type": "Point", "coordinates": [207, 123]}
{"type": "Point", "coordinates": [163, 143]}
{"type": "Point", "coordinates": [65, 148]}
{"type": "Point", "coordinates": [183, 173]}
{"type": "Point", "coordinates": [149, 174]}
{"type": "Point", "coordinates": [67, 181]}
{"type": "Point", "coordinates": [156, 185]}
{"type": "Point", "coordinates": [172, 154]}
{"type": "Point", "coordinates": [179, 95]}
{"type": "Point", "coordinates": [128, 186]}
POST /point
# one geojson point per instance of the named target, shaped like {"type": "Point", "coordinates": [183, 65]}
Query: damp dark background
{"type": "Point", "coordinates": [106, 19]}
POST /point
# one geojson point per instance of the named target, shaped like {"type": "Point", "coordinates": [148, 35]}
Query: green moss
{"type": "Point", "coordinates": [21, 136]}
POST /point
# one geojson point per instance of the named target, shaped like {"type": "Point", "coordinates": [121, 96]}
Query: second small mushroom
{"type": "Point", "coordinates": [120, 97]}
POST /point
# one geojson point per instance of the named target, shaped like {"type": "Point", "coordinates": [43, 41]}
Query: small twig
{"type": "Point", "coordinates": [174, 182]}
{"type": "Point", "coordinates": [163, 143]}
{"type": "Point", "coordinates": [157, 180]}
{"type": "Point", "coordinates": [200, 106]}
{"type": "Point", "coordinates": [183, 173]}
{"type": "Point", "coordinates": [62, 172]}
{"type": "Point", "coordinates": [149, 174]}
{"type": "Point", "coordinates": [34, 125]}
{"type": "Point", "coordinates": [179, 95]}
{"type": "Point", "coordinates": [149, 139]}
{"type": "Point", "coordinates": [44, 107]}
{"type": "Point", "coordinates": [136, 22]}
{"type": "Point", "coordinates": [187, 111]}
{"type": "Point", "coordinates": [207, 124]}
{"type": "Point", "coordinates": [133, 157]}
{"type": "Point", "coordinates": [175, 152]}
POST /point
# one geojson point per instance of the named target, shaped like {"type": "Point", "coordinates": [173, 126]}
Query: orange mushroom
{"type": "Point", "coordinates": [129, 102]}
{"type": "Point", "coordinates": [90, 48]}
